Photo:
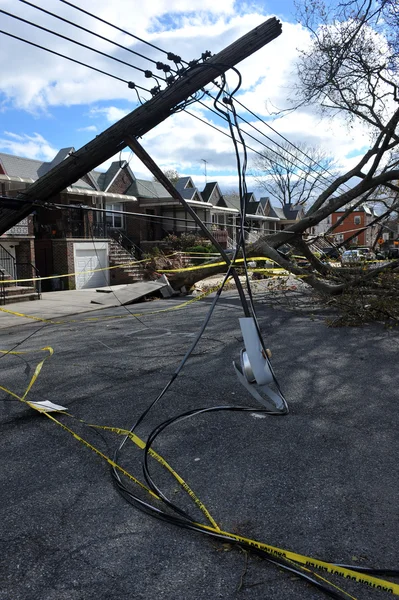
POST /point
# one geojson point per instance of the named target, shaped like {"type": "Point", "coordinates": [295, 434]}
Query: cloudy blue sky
{"type": "Point", "coordinates": [47, 102]}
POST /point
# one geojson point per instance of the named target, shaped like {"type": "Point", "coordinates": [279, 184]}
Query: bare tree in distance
{"type": "Point", "coordinates": [352, 64]}
{"type": "Point", "coordinates": [294, 173]}
{"type": "Point", "coordinates": [350, 68]}
{"type": "Point", "coordinates": [171, 174]}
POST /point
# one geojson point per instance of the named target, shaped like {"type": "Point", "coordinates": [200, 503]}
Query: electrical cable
{"type": "Point", "coordinates": [182, 522]}
{"type": "Point", "coordinates": [138, 216]}
{"type": "Point", "coordinates": [158, 430]}
{"type": "Point", "coordinates": [315, 185]}
{"type": "Point", "coordinates": [24, 340]}
{"type": "Point", "coordinates": [181, 417]}
{"type": "Point", "coordinates": [319, 175]}
{"type": "Point", "coordinates": [187, 354]}
{"type": "Point", "coordinates": [102, 37]}
{"type": "Point", "coordinates": [243, 195]}
{"type": "Point", "coordinates": [64, 37]}
{"type": "Point", "coordinates": [86, 12]}
{"type": "Point", "coordinates": [185, 104]}
{"type": "Point", "coordinates": [285, 139]}
{"type": "Point", "coordinates": [129, 83]}
{"type": "Point", "coordinates": [227, 135]}
{"type": "Point", "coordinates": [181, 61]}
{"type": "Point", "coordinates": [204, 325]}
{"type": "Point", "coordinates": [179, 368]}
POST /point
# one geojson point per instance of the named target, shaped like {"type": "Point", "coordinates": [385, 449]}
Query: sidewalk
{"type": "Point", "coordinates": [52, 305]}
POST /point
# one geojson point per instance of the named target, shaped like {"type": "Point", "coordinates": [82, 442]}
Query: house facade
{"type": "Point", "coordinates": [17, 249]}
{"type": "Point", "coordinates": [388, 239]}
{"type": "Point", "coordinates": [68, 238]}
{"type": "Point", "coordinates": [107, 218]}
{"type": "Point", "coordinates": [355, 229]}
{"type": "Point", "coordinates": [285, 215]}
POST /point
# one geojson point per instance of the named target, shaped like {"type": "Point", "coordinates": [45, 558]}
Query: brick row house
{"type": "Point", "coordinates": [127, 215]}
{"type": "Point", "coordinates": [351, 232]}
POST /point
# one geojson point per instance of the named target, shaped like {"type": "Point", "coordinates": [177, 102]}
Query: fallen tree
{"type": "Point", "coordinates": [351, 68]}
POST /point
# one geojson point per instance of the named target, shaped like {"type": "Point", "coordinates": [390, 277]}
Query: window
{"type": "Point", "coordinates": [357, 220]}
{"type": "Point", "coordinates": [339, 237]}
{"type": "Point", "coordinates": [114, 219]}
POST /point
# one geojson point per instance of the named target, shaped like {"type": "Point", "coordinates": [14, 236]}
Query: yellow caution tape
{"type": "Point", "coordinates": [44, 411]}
{"type": "Point", "coordinates": [218, 264]}
{"type": "Point", "coordinates": [141, 444]}
{"type": "Point", "coordinates": [303, 560]}
{"type": "Point", "coordinates": [137, 262]}
{"type": "Point", "coordinates": [374, 582]}
{"type": "Point", "coordinates": [120, 266]}
{"type": "Point", "coordinates": [129, 264]}
{"type": "Point", "coordinates": [271, 272]}
{"type": "Point", "coordinates": [35, 374]}
{"type": "Point", "coordinates": [133, 437]}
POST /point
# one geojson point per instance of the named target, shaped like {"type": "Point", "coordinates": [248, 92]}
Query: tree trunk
{"type": "Point", "coordinates": [320, 277]}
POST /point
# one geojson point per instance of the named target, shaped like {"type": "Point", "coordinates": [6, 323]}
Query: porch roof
{"type": "Point", "coordinates": [261, 218]}
{"type": "Point", "coordinates": [172, 202]}
{"type": "Point", "coordinates": [98, 193]}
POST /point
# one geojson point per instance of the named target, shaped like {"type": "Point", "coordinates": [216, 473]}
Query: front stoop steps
{"type": "Point", "coordinates": [124, 274]}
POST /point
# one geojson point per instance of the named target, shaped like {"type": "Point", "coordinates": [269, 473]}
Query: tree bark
{"type": "Point", "coordinates": [324, 282]}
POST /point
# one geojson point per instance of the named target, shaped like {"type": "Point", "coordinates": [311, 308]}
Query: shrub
{"type": "Point", "coordinates": [199, 249]}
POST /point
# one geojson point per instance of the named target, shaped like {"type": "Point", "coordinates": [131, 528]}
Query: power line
{"type": "Point", "coordinates": [132, 85]}
{"type": "Point", "coordinates": [88, 31]}
{"type": "Point", "coordinates": [86, 12]}
{"type": "Point", "coordinates": [139, 216]}
{"type": "Point", "coordinates": [294, 164]}
{"type": "Point", "coordinates": [284, 138]}
{"type": "Point", "coordinates": [240, 103]}
{"type": "Point", "coordinates": [150, 74]}
{"type": "Point", "coordinates": [263, 144]}
{"type": "Point", "coordinates": [129, 83]}
{"type": "Point", "coordinates": [182, 61]}
{"type": "Point", "coordinates": [228, 135]}
{"type": "Point", "coordinates": [64, 37]}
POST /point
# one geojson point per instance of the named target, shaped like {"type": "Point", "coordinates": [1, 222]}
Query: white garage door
{"type": "Point", "coordinates": [89, 259]}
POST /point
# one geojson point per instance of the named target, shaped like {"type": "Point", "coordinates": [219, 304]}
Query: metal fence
{"type": "Point", "coordinates": [10, 270]}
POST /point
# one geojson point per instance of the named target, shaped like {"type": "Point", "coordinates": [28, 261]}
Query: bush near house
{"type": "Point", "coordinates": [186, 242]}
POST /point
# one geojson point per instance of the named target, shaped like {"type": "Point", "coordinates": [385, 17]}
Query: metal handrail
{"type": "Point", "coordinates": [7, 262]}
{"type": "Point", "coordinates": [37, 284]}
{"type": "Point", "coordinates": [123, 240]}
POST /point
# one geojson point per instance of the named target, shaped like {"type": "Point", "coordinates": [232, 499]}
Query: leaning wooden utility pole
{"type": "Point", "coordinates": [140, 121]}
{"type": "Point", "coordinates": [168, 185]}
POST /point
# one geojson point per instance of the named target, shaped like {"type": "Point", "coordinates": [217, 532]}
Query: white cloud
{"type": "Point", "coordinates": [34, 146]}
{"type": "Point", "coordinates": [88, 128]}
{"type": "Point", "coordinates": [180, 141]}
{"type": "Point", "coordinates": [111, 113]}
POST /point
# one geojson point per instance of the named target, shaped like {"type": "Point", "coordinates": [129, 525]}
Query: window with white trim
{"type": "Point", "coordinates": [114, 220]}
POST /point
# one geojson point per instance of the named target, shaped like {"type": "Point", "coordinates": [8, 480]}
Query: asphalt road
{"type": "Point", "coordinates": [321, 481]}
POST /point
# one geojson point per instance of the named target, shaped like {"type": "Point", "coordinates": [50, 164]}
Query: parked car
{"type": "Point", "coordinates": [366, 253]}
{"type": "Point", "coordinates": [331, 253]}
{"type": "Point", "coordinates": [350, 256]}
